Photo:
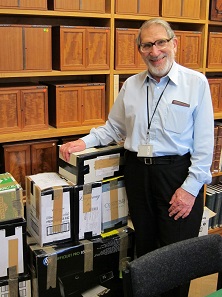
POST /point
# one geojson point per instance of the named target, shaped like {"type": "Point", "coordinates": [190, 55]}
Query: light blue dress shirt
{"type": "Point", "coordinates": [183, 121]}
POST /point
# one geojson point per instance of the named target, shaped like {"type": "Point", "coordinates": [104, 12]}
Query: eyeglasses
{"type": "Point", "coordinates": [160, 44]}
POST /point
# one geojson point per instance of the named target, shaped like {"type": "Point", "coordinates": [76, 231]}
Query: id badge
{"type": "Point", "coordinates": [145, 150]}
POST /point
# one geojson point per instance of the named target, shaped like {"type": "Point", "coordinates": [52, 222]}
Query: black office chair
{"type": "Point", "coordinates": [173, 265]}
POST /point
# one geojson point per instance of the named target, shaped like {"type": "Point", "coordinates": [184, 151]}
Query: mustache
{"type": "Point", "coordinates": [154, 59]}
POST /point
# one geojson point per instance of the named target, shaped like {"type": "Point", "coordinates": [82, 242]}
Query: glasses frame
{"type": "Point", "coordinates": [154, 43]}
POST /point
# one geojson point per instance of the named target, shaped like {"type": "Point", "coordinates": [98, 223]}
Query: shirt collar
{"type": "Point", "coordinates": [172, 74]}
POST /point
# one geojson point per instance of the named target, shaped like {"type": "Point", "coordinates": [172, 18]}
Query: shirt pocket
{"type": "Point", "coordinates": [177, 118]}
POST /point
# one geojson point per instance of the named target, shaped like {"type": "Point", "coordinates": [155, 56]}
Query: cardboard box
{"type": "Point", "coordinates": [114, 204]}
{"type": "Point", "coordinates": [93, 164]}
{"type": "Point", "coordinates": [48, 208]}
{"type": "Point", "coordinates": [22, 284]}
{"type": "Point", "coordinates": [75, 269]}
{"type": "Point", "coordinates": [87, 199]}
{"type": "Point", "coordinates": [11, 198]}
{"type": "Point", "coordinates": [13, 248]}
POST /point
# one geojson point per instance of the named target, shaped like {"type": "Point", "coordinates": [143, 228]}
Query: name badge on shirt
{"type": "Point", "coordinates": [145, 150]}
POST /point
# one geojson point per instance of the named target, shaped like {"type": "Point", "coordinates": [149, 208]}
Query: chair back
{"type": "Point", "coordinates": [173, 265]}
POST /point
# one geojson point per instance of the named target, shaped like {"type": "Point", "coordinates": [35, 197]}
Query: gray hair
{"type": "Point", "coordinates": [155, 21]}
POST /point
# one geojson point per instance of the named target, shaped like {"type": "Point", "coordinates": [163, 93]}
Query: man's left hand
{"type": "Point", "coordinates": [181, 204]}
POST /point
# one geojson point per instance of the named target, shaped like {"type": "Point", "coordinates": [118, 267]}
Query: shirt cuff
{"type": "Point", "coordinates": [90, 140]}
{"type": "Point", "coordinates": [192, 186]}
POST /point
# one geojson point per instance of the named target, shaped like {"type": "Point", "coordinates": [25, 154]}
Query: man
{"type": "Point", "coordinates": [165, 117]}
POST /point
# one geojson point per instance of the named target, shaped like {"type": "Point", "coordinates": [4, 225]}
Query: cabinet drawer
{"type": "Point", "coordinates": [127, 55]}
{"type": "Point", "coordinates": [44, 156]}
{"type": "Point", "coordinates": [8, 3]}
{"type": "Point", "coordinates": [34, 104]}
{"type": "Point", "coordinates": [216, 93]}
{"type": "Point", "coordinates": [92, 5]}
{"type": "Point", "coordinates": [216, 10]}
{"type": "Point", "coordinates": [77, 5]}
{"type": "Point", "coordinates": [74, 105]}
{"type": "Point", "coordinates": [17, 159]}
{"type": "Point", "coordinates": [97, 48]}
{"type": "Point", "coordinates": [30, 4]}
{"type": "Point", "coordinates": [11, 48]}
{"type": "Point", "coordinates": [24, 4]}
{"type": "Point", "coordinates": [23, 108]}
{"type": "Point", "coordinates": [81, 48]}
{"type": "Point", "coordinates": [214, 56]}
{"type": "Point", "coordinates": [181, 9]}
{"type": "Point", "coordinates": [130, 8]}
{"type": "Point", "coordinates": [93, 105]}
{"type": "Point", "coordinates": [25, 48]}
{"type": "Point", "coordinates": [146, 7]}
{"type": "Point", "coordinates": [37, 48]}
{"type": "Point", "coordinates": [10, 110]}
{"type": "Point", "coordinates": [189, 48]}
{"type": "Point", "coordinates": [26, 158]}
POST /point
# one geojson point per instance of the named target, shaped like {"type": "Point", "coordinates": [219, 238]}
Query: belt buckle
{"type": "Point", "coordinates": [148, 161]}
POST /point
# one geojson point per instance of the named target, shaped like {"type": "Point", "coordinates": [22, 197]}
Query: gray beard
{"type": "Point", "coordinates": [160, 72]}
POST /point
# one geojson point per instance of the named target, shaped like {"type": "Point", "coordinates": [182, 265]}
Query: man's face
{"type": "Point", "coordinates": [158, 61]}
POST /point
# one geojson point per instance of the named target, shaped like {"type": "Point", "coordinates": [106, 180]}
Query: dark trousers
{"type": "Point", "coordinates": [149, 189]}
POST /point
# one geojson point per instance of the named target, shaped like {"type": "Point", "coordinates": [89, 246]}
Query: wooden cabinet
{"type": "Point", "coordinates": [189, 48]}
{"type": "Point", "coordinates": [77, 5]}
{"type": "Point", "coordinates": [24, 47]}
{"type": "Point", "coordinates": [127, 55]}
{"type": "Point", "coordinates": [21, 159]}
{"type": "Point", "coordinates": [216, 10]}
{"type": "Point", "coordinates": [214, 59]}
{"type": "Point", "coordinates": [24, 4]}
{"type": "Point", "coordinates": [23, 108]}
{"type": "Point", "coordinates": [181, 8]}
{"type": "Point", "coordinates": [81, 48]}
{"type": "Point", "coordinates": [216, 93]}
{"type": "Point", "coordinates": [76, 104]}
{"type": "Point", "coordinates": [148, 7]}
{"type": "Point", "coordinates": [121, 7]}
{"type": "Point", "coordinates": [8, 3]}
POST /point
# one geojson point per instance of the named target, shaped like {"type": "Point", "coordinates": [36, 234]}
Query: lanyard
{"type": "Point", "coordinates": [148, 117]}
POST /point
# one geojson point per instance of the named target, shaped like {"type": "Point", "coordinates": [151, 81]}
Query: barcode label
{"type": "Point", "coordinates": [22, 293]}
{"type": "Point", "coordinates": [50, 230]}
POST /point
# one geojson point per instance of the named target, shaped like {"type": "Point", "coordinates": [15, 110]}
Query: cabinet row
{"type": "Point", "coordinates": [35, 107]}
{"type": "Point", "coordinates": [43, 48]}
{"type": "Point", "coordinates": [165, 8]}
{"type": "Point", "coordinates": [31, 107]}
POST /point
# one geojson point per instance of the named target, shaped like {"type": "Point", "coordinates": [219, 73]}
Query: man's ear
{"type": "Point", "coordinates": [175, 44]}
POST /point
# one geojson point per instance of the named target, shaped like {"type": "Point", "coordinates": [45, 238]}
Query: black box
{"type": "Point", "coordinates": [93, 164]}
{"type": "Point", "coordinates": [13, 248]}
{"type": "Point", "coordinates": [70, 270]}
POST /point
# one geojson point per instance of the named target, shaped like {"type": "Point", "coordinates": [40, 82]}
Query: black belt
{"type": "Point", "coordinates": [161, 160]}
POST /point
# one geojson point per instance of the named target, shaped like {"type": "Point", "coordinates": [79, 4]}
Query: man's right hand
{"type": "Point", "coordinates": [71, 147]}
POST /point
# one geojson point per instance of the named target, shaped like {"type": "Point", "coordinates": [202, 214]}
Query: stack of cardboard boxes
{"type": "Point", "coordinates": [14, 277]}
{"type": "Point", "coordinates": [77, 220]}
